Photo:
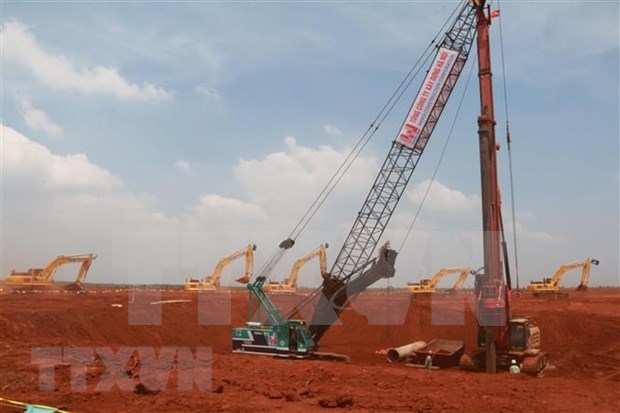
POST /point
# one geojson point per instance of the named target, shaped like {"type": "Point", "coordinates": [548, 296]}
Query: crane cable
{"type": "Point", "coordinates": [508, 144]}
{"type": "Point", "coordinates": [443, 152]}
{"type": "Point", "coordinates": [357, 149]}
{"type": "Point", "coordinates": [370, 132]}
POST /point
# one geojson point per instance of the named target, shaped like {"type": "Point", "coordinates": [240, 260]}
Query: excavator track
{"type": "Point", "coordinates": [535, 364]}
{"type": "Point", "coordinates": [317, 355]}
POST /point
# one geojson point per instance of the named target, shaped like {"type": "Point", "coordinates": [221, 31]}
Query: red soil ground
{"type": "Point", "coordinates": [581, 335]}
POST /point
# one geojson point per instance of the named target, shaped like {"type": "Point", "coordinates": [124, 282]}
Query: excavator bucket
{"type": "Point", "coordinates": [75, 288]}
{"type": "Point", "coordinates": [243, 280]}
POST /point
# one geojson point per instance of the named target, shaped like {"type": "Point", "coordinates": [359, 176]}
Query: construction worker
{"type": "Point", "coordinates": [514, 367]}
{"type": "Point", "coordinates": [428, 363]}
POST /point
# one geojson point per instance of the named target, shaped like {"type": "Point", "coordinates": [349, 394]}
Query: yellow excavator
{"type": "Point", "coordinates": [461, 280]}
{"type": "Point", "coordinates": [428, 285]}
{"type": "Point", "coordinates": [212, 283]}
{"type": "Point", "coordinates": [43, 278]}
{"type": "Point", "coordinates": [289, 285]}
{"type": "Point", "coordinates": [551, 286]}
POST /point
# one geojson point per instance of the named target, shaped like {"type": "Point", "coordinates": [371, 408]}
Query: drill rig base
{"type": "Point", "coordinates": [533, 364]}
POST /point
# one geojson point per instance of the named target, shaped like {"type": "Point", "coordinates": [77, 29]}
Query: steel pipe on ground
{"type": "Point", "coordinates": [397, 354]}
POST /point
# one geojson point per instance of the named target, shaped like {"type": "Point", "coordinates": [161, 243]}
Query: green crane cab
{"type": "Point", "coordinates": [278, 336]}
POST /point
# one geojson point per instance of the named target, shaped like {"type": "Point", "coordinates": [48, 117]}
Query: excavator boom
{"type": "Point", "coordinates": [212, 282]}
{"type": "Point", "coordinates": [461, 279]}
{"type": "Point", "coordinates": [44, 277]}
{"type": "Point", "coordinates": [289, 285]}
{"type": "Point", "coordinates": [430, 285]}
{"type": "Point", "coordinates": [551, 285]}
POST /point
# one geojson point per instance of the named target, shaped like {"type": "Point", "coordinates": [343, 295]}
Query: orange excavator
{"type": "Point", "coordinates": [289, 285]}
{"type": "Point", "coordinates": [43, 278]}
{"type": "Point", "coordinates": [212, 283]}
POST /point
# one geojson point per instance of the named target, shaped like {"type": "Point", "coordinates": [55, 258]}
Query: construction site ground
{"type": "Point", "coordinates": [581, 333]}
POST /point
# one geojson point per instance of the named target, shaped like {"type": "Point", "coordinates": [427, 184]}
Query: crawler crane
{"type": "Point", "coordinates": [355, 268]}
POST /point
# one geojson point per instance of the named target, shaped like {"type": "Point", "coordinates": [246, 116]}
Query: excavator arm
{"type": "Point", "coordinates": [551, 285]}
{"type": "Point", "coordinates": [216, 275]}
{"type": "Point", "coordinates": [585, 271]}
{"type": "Point", "coordinates": [585, 274]}
{"type": "Point", "coordinates": [320, 252]}
{"type": "Point", "coordinates": [84, 269]}
{"type": "Point", "coordinates": [447, 271]}
{"type": "Point", "coordinates": [289, 285]}
{"type": "Point", "coordinates": [47, 275]}
{"type": "Point", "coordinates": [461, 279]}
{"type": "Point", "coordinates": [429, 285]}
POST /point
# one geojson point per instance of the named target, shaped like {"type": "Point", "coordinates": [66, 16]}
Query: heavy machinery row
{"type": "Point", "coordinates": [44, 278]}
{"type": "Point", "coordinates": [364, 258]}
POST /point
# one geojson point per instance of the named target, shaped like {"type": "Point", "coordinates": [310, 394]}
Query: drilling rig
{"type": "Point", "coordinates": [500, 337]}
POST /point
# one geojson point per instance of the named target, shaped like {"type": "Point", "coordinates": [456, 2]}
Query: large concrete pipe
{"type": "Point", "coordinates": [400, 353]}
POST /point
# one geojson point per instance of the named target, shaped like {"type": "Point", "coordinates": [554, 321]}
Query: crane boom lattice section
{"type": "Point", "coordinates": [401, 161]}
{"type": "Point", "coordinates": [351, 273]}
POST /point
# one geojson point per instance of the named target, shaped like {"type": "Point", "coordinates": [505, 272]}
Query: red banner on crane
{"type": "Point", "coordinates": [427, 96]}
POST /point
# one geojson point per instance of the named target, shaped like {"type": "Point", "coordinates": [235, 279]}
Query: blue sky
{"type": "Point", "coordinates": [202, 126]}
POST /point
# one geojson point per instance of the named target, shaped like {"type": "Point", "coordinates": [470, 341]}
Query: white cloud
{"type": "Point", "coordinates": [217, 212]}
{"type": "Point", "coordinates": [19, 46]}
{"type": "Point", "coordinates": [33, 165]}
{"type": "Point", "coordinates": [183, 166]}
{"type": "Point", "coordinates": [531, 234]}
{"type": "Point", "coordinates": [442, 198]}
{"type": "Point", "coordinates": [208, 91]}
{"type": "Point", "coordinates": [57, 204]}
{"type": "Point", "coordinates": [298, 174]}
{"type": "Point", "coordinates": [332, 130]}
{"type": "Point", "coordinates": [37, 120]}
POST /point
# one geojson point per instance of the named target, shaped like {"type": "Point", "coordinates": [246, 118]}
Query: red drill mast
{"type": "Point", "coordinates": [492, 293]}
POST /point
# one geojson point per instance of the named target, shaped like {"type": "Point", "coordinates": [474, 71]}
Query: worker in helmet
{"type": "Point", "coordinates": [428, 363]}
{"type": "Point", "coordinates": [514, 367]}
